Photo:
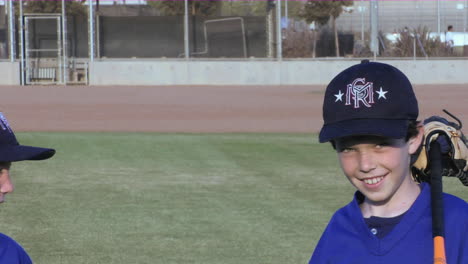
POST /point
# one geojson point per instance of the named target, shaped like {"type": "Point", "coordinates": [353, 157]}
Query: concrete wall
{"type": "Point", "coordinates": [306, 72]}
{"type": "Point", "coordinates": [128, 72]}
{"type": "Point", "coordinates": [9, 73]}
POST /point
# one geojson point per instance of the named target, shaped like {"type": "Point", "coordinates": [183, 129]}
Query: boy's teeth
{"type": "Point", "coordinates": [373, 180]}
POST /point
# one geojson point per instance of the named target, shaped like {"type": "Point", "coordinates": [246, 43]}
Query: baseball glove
{"type": "Point", "coordinates": [453, 147]}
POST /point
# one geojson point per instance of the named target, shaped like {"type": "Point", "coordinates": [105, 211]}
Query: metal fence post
{"type": "Point", "coordinates": [279, 38]}
{"type": "Point", "coordinates": [374, 25]}
{"type": "Point", "coordinates": [91, 31]}
{"type": "Point", "coordinates": [64, 44]}
{"type": "Point", "coordinates": [11, 29]}
{"type": "Point", "coordinates": [186, 31]}
{"type": "Point", "coordinates": [21, 44]}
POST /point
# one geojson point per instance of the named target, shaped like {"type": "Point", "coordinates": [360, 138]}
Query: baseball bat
{"type": "Point", "coordinates": [438, 232]}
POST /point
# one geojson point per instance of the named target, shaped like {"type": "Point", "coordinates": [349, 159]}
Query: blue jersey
{"type": "Point", "coordinates": [11, 252]}
{"type": "Point", "coordinates": [348, 240]}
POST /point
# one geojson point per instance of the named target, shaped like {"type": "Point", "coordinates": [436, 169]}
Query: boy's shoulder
{"type": "Point", "coordinates": [349, 213]}
{"type": "Point", "coordinates": [6, 240]}
{"type": "Point", "coordinates": [455, 203]}
{"type": "Point", "coordinates": [11, 251]}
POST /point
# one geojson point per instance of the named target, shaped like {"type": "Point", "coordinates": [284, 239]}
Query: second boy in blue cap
{"type": "Point", "coordinates": [370, 117]}
{"type": "Point", "coordinates": [10, 151]}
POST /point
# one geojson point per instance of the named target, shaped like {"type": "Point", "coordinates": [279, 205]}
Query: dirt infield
{"type": "Point", "coordinates": [190, 108]}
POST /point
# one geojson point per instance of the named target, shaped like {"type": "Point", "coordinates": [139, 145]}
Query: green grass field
{"type": "Point", "coordinates": [176, 198]}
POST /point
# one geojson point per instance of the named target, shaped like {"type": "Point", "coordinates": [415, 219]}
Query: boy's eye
{"type": "Point", "coordinates": [345, 150]}
{"type": "Point", "coordinates": [382, 144]}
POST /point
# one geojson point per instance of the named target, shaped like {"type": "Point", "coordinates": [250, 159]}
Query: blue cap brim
{"type": "Point", "coordinates": [392, 128]}
{"type": "Point", "coordinates": [12, 153]}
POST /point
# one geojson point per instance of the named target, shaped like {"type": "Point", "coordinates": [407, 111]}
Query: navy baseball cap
{"type": "Point", "coordinates": [11, 150]}
{"type": "Point", "coordinates": [369, 98]}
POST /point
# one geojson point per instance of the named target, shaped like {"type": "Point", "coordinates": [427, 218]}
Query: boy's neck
{"type": "Point", "coordinates": [398, 204]}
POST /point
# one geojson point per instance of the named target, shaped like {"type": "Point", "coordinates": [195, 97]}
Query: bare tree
{"type": "Point", "coordinates": [73, 8]}
{"type": "Point", "coordinates": [320, 12]}
{"type": "Point", "coordinates": [177, 8]}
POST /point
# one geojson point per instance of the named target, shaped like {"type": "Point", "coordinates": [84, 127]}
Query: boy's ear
{"type": "Point", "coordinates": [416, 141]}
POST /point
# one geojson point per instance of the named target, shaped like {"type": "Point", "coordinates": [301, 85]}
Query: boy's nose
{"type": "Point", "coordinates": [366, 162]}
{"type": "Point", "coordinates": [7, 186]}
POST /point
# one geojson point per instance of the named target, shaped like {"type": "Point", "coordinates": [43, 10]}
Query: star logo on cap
{"type": "Point", "coordinates": [381, 93]}
{"type": "Point", "coordinates": [339, 96]}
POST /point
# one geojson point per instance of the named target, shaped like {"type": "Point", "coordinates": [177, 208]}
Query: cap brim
{"type": "Point", "coordinates": [392, 128]}
{"type": "Point", "coordinates": [20, 152]}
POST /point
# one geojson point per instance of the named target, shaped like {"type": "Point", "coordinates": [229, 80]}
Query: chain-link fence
{"type": "Point", "coordinates": [230, 29]}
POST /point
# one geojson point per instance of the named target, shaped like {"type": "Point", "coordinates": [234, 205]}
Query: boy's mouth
{"type": "Point", "coordinates": [374, 180]}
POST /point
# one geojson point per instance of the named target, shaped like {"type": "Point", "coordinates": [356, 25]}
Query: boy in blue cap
{"type": "Point", "coordinates": [370, 117]}
{"type": "Point", "coordinates": [11, 151]}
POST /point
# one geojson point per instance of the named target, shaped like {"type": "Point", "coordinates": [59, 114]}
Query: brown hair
{"type": "Point", "coordinates": [412, 131]}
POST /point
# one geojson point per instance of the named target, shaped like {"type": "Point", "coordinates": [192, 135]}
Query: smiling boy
{"type": "Point", "coordinates": [370, 117]}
